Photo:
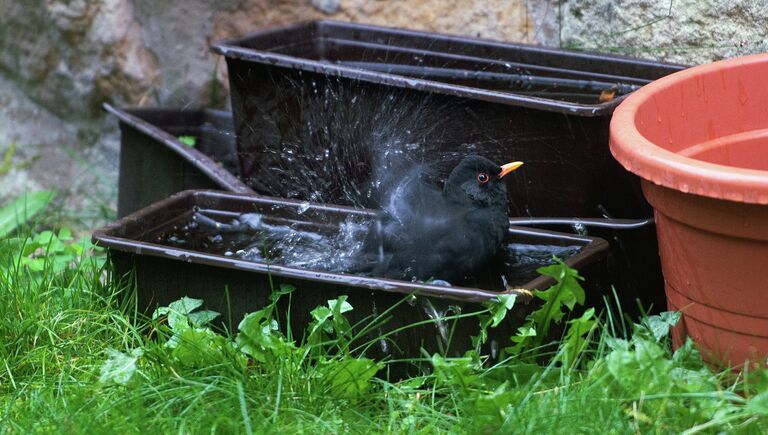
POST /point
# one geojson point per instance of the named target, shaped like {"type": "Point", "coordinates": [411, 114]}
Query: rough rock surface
{"type": "Point", "coordinates": [497, 19]}
{"type": "Point", "coordinates": [70, 56]}
{"type": "Point", "coordinates": [61, 59]}
{"type": "Point", "coordinates": [683, 31]}
{"type": "Point", "coordinates": [40, 150]}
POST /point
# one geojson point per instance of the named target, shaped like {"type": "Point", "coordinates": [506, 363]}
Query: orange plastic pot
{"type": "Point", "coordinates": [699, 140]}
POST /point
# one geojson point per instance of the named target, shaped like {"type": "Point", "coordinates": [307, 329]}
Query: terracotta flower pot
{"type": "Point", "coordinates": [699, 140]}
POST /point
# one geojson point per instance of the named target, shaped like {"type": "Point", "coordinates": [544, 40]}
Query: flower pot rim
{"type": "Point", "coordinates": [652, 162]}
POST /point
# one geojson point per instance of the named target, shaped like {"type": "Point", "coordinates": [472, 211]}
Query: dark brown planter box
{"type": "Point", "coordinates": [456, 96]}
{"type": "Point", "coordinates": [164, 273]}
{"type": "Point", "coordinates": [503, 101]}
{"type": "Point", "coordinates": [154, 163]}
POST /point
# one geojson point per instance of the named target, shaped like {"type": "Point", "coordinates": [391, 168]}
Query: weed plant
{"type": "Point", "coordinates": [75, 357]}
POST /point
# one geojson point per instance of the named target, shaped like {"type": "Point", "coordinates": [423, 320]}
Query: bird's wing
{"type": "Point", "coordinates": [451, 246]}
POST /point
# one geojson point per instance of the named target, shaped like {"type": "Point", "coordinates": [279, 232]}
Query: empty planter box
{"type": "Point", "coordinates": [156, 163]}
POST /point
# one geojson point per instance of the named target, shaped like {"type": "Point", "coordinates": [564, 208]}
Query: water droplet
{"type": "Point", "coordinates": [411, 300]}
{"type": "Point", "coordinates": [437, 317]}
{"type": "Point", "coordinates": [580, 229]}
{"type": "Point", "coordinates": [384, 346]}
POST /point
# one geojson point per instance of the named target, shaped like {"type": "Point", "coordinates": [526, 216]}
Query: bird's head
{"type": "Point", "coordinates": [479, 181]}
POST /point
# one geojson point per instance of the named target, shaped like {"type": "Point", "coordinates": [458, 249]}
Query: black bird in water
{"type": "Point", "coordinates": [425, 233]}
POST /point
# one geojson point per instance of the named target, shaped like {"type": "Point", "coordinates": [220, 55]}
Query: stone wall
{"type": "Point", "coordinates": [682, 31]}
{"type": "Point", "coordinates": [61, 59]}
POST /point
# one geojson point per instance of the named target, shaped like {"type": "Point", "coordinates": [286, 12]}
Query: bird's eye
{"type": "Point", "coordinates": [482, 178]}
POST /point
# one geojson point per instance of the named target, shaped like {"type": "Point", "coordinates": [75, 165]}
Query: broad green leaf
{"type": "Point", "coordinates": [22, 210]}
{"type": "Point", "coordinates": [687, 356]}
{"type": "Point", "coordinates": [349, 377]}
{"type": "Point", "coordinates": [33, 264]}
{"type": "Point", "coordinates": [178, 313]}
{"type": "Point", "coordinates": [523, 332]}
{"type": "Point", "coordinates": [566, 292]}
{"type": "Point", "coordinates": [119, 368]}
{"type": "Point", "coordinates": [282, 291]}
{"type": "Point", "coordinates": [617, 343]}
{"type": "Point", "coordinates": [329, 321]}
{"type": "Point", "coordinates": [185, 305]}
{"type": "Point", "coordinates": [644, 367]}
{"type": "Point", "coordinates": [321, 314]}
{"type": "Point", "coordinates": [575, 337]}
{"type": "Point", "coordinates": [251, 323]}
{"type": "Point", "coordinates": [499, 309]}
{"type": "Point", "coordinates": [413, 383]}
{"type": "Point", "coordinates": [498, 403]}
{"type": "Point", "coordinates": [194, 346]}
{"type": "Point", "coordinates": [202, 318]}
{"type": "Point", "coordinates": [65, 234]}
{"type": "Point", "coordinates": [340, 305]}
{"type": "Point", "coordinates": [660, 325]}
{"type": "Point", "coordinates": [524, 337]}
{"type": "Point", "coordinates": [455, 371]}
{"type": "Point", "coordinates": [260, 338]}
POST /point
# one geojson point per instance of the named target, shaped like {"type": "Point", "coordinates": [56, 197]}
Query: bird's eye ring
{"type": "Point", "coordinates": [482, 178]}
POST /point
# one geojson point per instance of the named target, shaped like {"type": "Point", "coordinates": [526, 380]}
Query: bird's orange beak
{"type": "Point", "coordinates": [509, 167]}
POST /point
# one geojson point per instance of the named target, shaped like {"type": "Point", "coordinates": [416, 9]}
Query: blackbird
{"type": "Point", "coordinates": [425, 233]}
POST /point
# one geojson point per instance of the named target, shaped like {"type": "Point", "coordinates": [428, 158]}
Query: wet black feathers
{"type": "Point", "coordinates": [426, 233]}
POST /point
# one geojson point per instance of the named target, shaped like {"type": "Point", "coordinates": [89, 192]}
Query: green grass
{"type": "Point", "coordinates": [73, 361]}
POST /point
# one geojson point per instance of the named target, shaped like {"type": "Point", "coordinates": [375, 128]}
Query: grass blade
{"type": "Point", "coordinates": [23, 209]}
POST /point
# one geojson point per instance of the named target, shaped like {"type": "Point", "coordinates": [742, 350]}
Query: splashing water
{"type": "Point", "coordinates": [320, 139]}
{"type": "Point", "coordinates": [325, 143]}
{"type": "Point", "coordinates": [333, 248]}
{"type": "Point", "coordinates": [255, 238]}
{"type": "Point", "coordinates": [438, 317]}
{"type": "Point", "coordinates": [317, 138]}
